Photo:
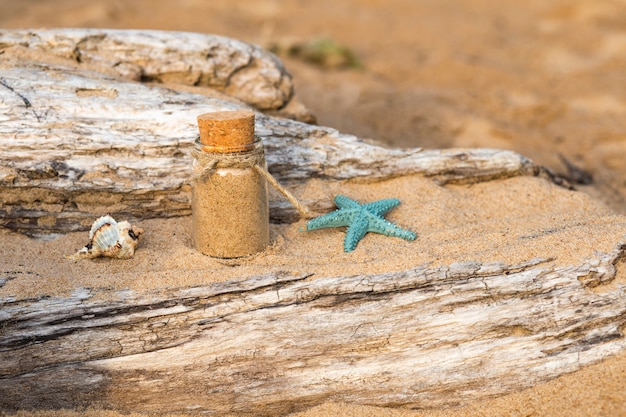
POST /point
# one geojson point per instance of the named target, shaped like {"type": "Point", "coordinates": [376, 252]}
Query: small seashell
{"type": "Point", "coordinates": [110, 238]}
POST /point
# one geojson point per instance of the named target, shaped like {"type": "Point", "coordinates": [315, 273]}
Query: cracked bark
{"type": "Point", "coordinates": [75, 141]}
{"type": "Point", "coordinates": [277, 343]}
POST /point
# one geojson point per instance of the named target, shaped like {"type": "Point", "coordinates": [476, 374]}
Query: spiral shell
{"type": "Point", "coordinates": [110, 238]}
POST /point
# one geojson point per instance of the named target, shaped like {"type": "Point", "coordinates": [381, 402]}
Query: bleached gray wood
{"type": "Point", "coordinates": [243, 71]}
{"type": "Point", "coordinates": [277, 343]}
{"type": "Point", "coordinates": [74, 141]}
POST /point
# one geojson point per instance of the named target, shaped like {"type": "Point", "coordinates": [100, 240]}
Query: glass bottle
{"type": "Point", "coordinates": [230, 215]}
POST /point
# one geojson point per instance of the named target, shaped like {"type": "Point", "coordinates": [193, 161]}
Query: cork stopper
{"type": "Point", "coordinates": [227, 131]}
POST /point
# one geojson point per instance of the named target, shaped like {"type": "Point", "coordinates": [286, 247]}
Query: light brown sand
{"type": "Point", "coordinates": [509, 220]}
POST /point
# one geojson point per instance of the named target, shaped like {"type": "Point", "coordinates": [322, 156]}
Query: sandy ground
{"type": "Point", "coordinates": [455, 213]}
{"type": "Point", "coordinates": [547, 79]}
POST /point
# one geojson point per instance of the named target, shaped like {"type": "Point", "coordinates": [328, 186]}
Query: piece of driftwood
{"type": "Point", "coordinates": [74, 141]}
{"type": "Point", "coordinates": [277, 343]}
{"type": "Point", "coordinates": [240, 70]}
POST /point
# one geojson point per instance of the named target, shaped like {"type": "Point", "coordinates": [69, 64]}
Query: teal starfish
{"type": "Point", "coordinates": [360, 219]}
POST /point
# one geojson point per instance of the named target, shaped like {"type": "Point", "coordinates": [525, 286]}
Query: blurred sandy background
{"type": "Point", "coordinates": [544, 78]}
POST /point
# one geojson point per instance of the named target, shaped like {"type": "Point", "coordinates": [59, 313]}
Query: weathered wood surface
{"type": "Point", "coordinates": [243, 71]}
{"type": "Point", "coordinates": [273, 344]}
{"type": "Point", "coordinates": [74, 141]}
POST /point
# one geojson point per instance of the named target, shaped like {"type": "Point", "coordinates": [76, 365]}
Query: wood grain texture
{"type": "Point", "coordinates": [75, 140]}
{"type": "Point", "coordinates": [278, 343]}
{"type": "Point", "coordinates": [243, 71]}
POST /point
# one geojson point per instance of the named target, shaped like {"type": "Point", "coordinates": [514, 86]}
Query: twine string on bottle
{"type": "Point", "coordinates": [207, 162]}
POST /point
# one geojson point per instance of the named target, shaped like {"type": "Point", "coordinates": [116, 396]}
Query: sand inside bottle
{"type": "Point", "coordinates": [229, 198]}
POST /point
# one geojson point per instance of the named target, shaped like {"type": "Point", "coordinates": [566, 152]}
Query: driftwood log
{"type": "Point", "coordinates": [74, 141]}
{"type": "Point", "coordinates": [275, 344]}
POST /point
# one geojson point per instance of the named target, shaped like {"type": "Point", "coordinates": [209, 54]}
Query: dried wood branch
{"type": "Point", "coordinates": [277, 343]}
{"type": "Point", "coordinates": [243, 71]}
{"type": "Point", "coordinates": [74, 141]}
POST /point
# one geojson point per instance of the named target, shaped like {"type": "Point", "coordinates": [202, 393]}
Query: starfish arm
{"type": "Point", "coordinates": [334, 219]}
{"type": "Point", "coordinates": [358, 228]}
{"type": "Point", "coordinates": [381, 207]}
{"type": "Point", "coordinates": [384, 227]}
{"type": "Point", "coordinates": [344, 202]}
{"type": "Point", "coordinates": [361, 219]}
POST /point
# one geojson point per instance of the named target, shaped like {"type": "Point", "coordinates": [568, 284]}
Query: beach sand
{"type": "Point", "coordinates": [545, 79]}
{"type": "Point", "coordinates": [510, 220]}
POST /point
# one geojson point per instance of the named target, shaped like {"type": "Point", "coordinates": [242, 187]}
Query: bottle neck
{"type": "Point", "coordinates": [249, 147]}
